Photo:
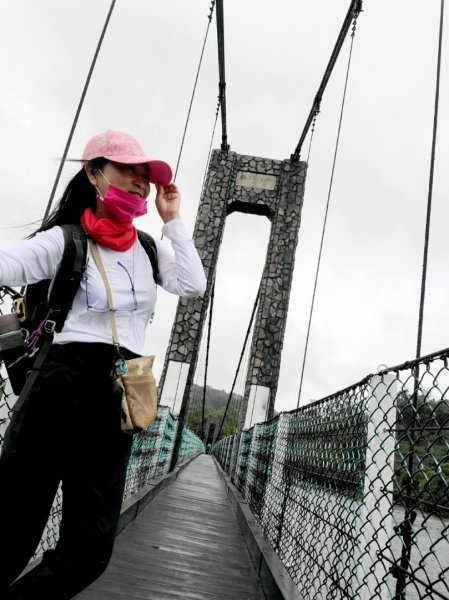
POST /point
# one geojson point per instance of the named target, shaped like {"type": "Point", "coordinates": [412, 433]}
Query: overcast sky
{"type": "Point", "coordinates": [367, 301]}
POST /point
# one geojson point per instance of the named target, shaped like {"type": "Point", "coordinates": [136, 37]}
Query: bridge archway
{"type": "Point", "coordinates": [259, 186]}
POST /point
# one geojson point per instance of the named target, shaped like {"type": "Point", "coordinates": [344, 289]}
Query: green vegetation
{"type": "Point", "coordinates": [423, 442]}
{"type": "Point", "coordinates": [215, 405]}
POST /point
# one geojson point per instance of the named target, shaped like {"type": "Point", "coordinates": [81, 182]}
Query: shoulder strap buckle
{"type": "Point", "coordinates": [50, 326]}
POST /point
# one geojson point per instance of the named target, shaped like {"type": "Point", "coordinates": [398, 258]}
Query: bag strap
{"type": "Point", "coordinates": [67, 280]}
{"type": "Point", "coordinates": [97, 257]}
{"type": "Point", "coordinates": [149, 245]}
{"type": "Point", "coordinates": [36, 366]}
{"type": "Point", "coordinates": [60, 299]}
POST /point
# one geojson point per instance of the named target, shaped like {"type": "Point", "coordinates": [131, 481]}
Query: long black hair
{"type": "Point", "coordinates": [78, 195]}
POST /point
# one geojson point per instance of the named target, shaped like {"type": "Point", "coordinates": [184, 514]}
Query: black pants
{"type": "Point", "coordinates": [69, 431]}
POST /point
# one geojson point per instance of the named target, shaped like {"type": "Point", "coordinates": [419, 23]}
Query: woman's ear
{"type": "Point", "coordinates": [91, 173]}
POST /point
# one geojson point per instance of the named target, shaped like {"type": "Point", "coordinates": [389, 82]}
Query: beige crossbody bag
{"type": "Point", "coordinates": [134, 377]}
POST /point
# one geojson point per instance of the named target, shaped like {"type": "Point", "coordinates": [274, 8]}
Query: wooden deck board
{"type": "Point", "coordinates": [185, 544]}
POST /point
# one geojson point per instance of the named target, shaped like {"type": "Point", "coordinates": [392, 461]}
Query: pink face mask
{"type": "Point", "coordinates": [123, 205]}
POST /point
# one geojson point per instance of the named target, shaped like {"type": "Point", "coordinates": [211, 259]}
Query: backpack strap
{"type": "Point", "coordinates": [150, 248]}
{"type": "Point", "coordinates": [64, 287]}
{"type": "Point", "coordinates": [33, 374]}
{"type": "Point", "coordinates": [68, 278]}
{"type": "Point", "coordinates": [60, 298]}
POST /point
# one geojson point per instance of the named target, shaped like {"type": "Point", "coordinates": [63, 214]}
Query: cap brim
{"type": "Point", "coordinates": [160, 171]}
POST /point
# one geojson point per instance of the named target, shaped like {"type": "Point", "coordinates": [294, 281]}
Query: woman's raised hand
{"type": "Point", "coordinates": [168, 200]}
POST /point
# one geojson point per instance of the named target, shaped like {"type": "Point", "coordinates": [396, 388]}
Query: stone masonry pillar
{"type": "Point", "coordinates": [271, 317]}
{"type": "Point", "coordinates": [260, 186]}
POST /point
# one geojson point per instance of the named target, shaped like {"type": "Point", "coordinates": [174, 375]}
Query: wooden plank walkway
{"type": "Point", "coordinates": [186, 543]}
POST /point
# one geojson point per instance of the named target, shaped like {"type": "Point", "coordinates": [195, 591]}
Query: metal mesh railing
{"type": "Point", "coordinates": [152, 450]}
{"type": "Point", "coordinates": [223, 452]}
{"type": "Point", "coordinates": [7, 398]}
{"type": "Point", "coordinates": [353, 491]}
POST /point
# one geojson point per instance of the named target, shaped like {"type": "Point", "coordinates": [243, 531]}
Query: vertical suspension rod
{"type": "Point", "coordinates": [430, 192]}
{"type": "Point", "coordinates": [222, 82]}
{"type": "Point", "coordinates": [353, 12]}
{"type": "Point", "coordinates": [211, 312]}
{"type": "Point", "coordinates": [402, 568]}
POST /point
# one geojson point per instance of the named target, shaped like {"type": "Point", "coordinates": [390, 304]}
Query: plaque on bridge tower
{"type": "Point", "coordinates": [255, 180]}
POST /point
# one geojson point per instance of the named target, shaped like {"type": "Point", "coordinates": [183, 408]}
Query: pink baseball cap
{"type": "Point", "coordinates": [123, 148]}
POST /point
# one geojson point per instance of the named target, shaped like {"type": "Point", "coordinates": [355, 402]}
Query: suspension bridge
{"type": "Point", "coordinates": [346, 497]}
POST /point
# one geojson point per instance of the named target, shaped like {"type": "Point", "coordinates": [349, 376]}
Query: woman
{"type": "Point", "coordinates": [70, 428]}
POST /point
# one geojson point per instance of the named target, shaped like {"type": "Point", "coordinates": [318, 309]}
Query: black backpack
{"type": "Point", "coordinates": [46, 304]}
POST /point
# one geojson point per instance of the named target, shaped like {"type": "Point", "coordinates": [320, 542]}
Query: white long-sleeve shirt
{"type": "Point", "coordinates": [180, 271]}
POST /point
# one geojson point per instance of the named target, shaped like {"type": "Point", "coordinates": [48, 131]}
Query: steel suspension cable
{"type": "Point", "coordinates": [210, 147]}
{"type": "Point", "coordinates": [78, 111]}
{"type": "Point", "coordinates": [430, 192]}
{"type": "Point", "coordinates": [253, 313]}
{"type": "Point", "coordinates": [209, 17]}
{"type": "Point", "coordinates": [311, 136]}
{"type": "Point", "coordinates": [240, 385]}
{"type": "Point", "coordinates": [354, 10]}
{"type": "Point", "coordinates": [177, 384]}
{"type": "Point", "coordinates": [327, 208]}
{"type": "Point", "coordinates": [204, 183]}
{"type": "Point", "coordinates": [403, 565]}
{"type": "Point", "coordinates": [196, 395]}
{"type": "Point", "coordinates": [174, 458]}
{"type": "Point", "coordinates": [222, 83]}
{"type": "Point", "coordinates": [209, 327]}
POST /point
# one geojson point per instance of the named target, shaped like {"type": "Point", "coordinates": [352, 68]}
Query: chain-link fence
{"type": "Point", "coordinates": [152, 450]}
{"type": "Point", "coordinates": [352, 491]}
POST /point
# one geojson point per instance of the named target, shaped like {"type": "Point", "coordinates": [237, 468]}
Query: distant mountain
{"type": "Point", "coordinates": [216, 399]}
{"type": "Point", "coordinates": [215, 405]}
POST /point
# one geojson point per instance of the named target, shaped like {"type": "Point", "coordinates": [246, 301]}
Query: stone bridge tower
{"type": "Point", "coordinates": [259, 186]}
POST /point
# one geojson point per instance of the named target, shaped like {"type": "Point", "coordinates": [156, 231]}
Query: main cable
{"type": "Point", "coordinates": [354, 10]}
{"type": "Point", "coordinates": [222, 83]}
{"type": "Point", "coordinates": [78, 111]}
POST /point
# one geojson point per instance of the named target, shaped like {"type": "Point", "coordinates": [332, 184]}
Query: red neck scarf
{"type": "Point", "coordinates": [109, 232]}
